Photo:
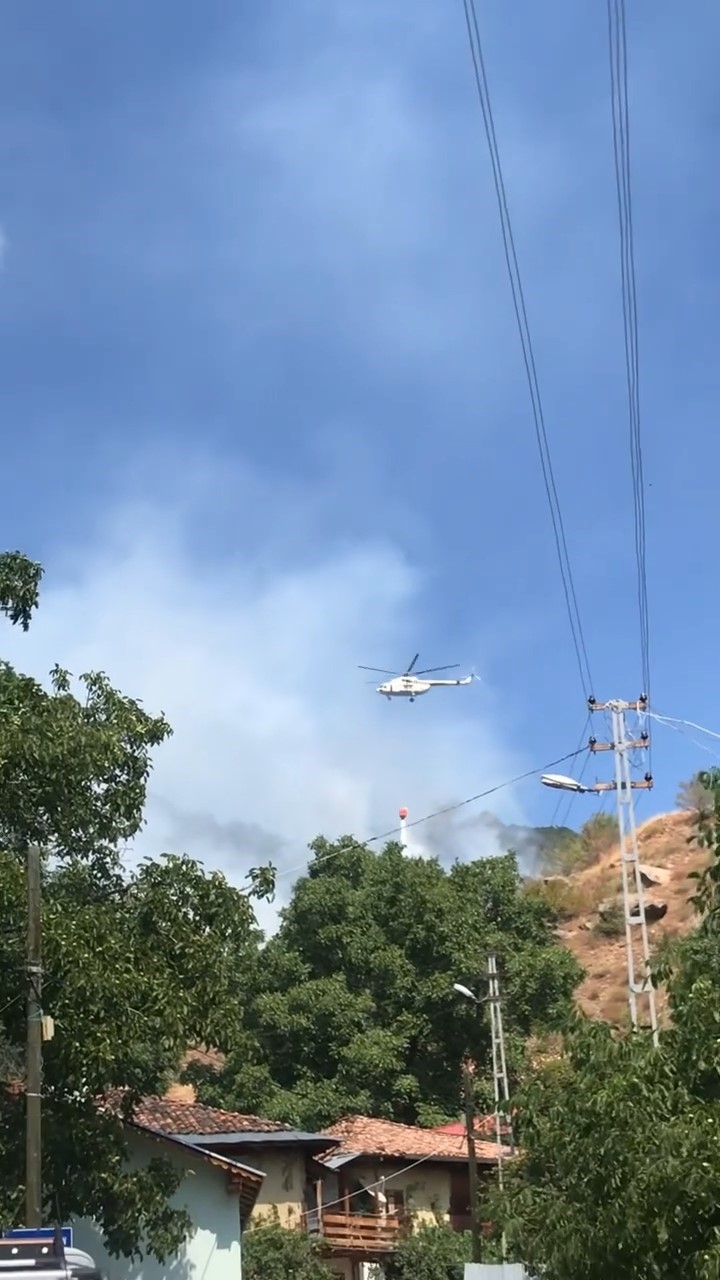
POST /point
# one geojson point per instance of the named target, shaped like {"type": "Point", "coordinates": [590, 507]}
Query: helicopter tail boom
{"type": "Point", "coordinates": [462, 680]}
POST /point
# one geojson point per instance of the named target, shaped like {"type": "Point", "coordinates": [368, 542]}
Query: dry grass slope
{"type": "Point", "coordinates": [663, 844]}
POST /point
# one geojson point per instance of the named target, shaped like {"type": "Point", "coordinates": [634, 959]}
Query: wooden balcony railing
{"type": "Point", "coordinates": [369, 1233]}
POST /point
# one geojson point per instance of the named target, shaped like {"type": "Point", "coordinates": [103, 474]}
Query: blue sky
{"type": "Point", "coordinates": [263, 407]}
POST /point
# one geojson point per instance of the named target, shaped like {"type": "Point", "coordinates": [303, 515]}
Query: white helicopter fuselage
{"type": "Point", "coordinates": [412, 686]}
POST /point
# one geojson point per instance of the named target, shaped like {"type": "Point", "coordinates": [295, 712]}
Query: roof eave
{"type": "Point", "coordinates": [242, 1180]}
{"type": "Point", "coordinates": [336, 1161]}
{"type": "Point", "coordinates": [249, 1137]}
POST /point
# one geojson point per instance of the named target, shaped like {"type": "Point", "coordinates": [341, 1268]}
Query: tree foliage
{"type": "Point", "coordinates": [20, 580]}
{"type": "Point", "coordinates": [138, 964]}
{"type": "Point", "coordinates": [621, 1158]}
{"type": "Point", "coordinates": [575, 850]}
{"type": "Point", "coordinates": [353, 1008]}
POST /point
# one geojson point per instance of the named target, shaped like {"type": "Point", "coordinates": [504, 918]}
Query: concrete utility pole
{"type": "Point", "coordinates": [33, 1067]}
{"type": "Point", "coordinates": [637, 946]}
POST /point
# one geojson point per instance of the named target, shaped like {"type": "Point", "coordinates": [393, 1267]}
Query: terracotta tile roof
{"type": "Point", "coordinates": [167, 1115]}
{"type": "Point", "coordinates": [484, 1125]}
{"type": "Point", "coordinates": [366, 1136]}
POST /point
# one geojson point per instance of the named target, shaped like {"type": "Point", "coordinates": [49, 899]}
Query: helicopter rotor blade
{"type": "Point", "coordinates": [431, 670]}
{"type": "Point", "coordinates": [412, 664]}
{"type": "Point", "coordinates": [381, 671]}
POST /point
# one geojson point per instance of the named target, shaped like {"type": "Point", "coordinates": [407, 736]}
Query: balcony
{"type": "Point", "coordinates": [357, 1232]}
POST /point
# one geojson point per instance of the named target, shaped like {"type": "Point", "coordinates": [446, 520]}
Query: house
{"type": "Point", "coordinates": [383, 1177]}
{"type": "Point", "coordinates": [219, 1194]}
{"type": "Point", "coordinates": [361, 1185]}
{"type": "Point", "coordinates": [287, 1157]}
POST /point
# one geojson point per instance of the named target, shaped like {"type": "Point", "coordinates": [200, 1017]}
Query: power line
{"type": "Point", "coordinates": [380, 1182]}
{"type": "Point", "coordinates": [621, 147]}
{"type": "Point", "coordinates": [437, 813]}
{"type": "Point", "coordinates": [20, 995]}
{"type": "Point", "coordinates": [679, 726]}
{"type": "Point", "coordinates": [397, 1173]}
{"type": "Point", "coordinates": [689, 724]}
{"type": "Point", "coordinates": [520, 309]}
{"type": "Point", "coordinates": [573, 795]}
{"type": "Point", "coordinates": [564, 800]}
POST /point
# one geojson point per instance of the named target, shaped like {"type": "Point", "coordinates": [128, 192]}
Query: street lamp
{"type": "Point", "coordinates": [559, 782]}
{"type": "Point", "coordinates": [465, 991]}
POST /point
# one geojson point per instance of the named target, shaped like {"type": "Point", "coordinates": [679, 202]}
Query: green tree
{"type": "Point", "coordinates": [74, 763]}
{"type": "Point", "coordinates": [353, 1009]}
{"type": "Point", "coordinates": [597, 836]}
{"type": "Point", "coordinates": [138, 964]}
{"type": "Point", "coordinates": [574, 850]}
{"type": "Point", "coordinates": [621, 1159]}
{"type": "Point", "coordinates": [272, 1252]}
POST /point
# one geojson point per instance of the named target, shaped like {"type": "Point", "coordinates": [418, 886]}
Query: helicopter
{"type": "Point", "coordinates": [409, 684]}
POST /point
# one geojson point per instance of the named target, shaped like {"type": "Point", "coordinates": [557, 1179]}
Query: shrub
{"type": "Point", "coordinates": [563, 898]}
{"type": "Point", "coordinates": [597, 836]}
{"type": "Point", "coordinates": [272, 1252]}
{"type": "Point", "coordinates": [430, 1253]}
{"type": "Point", "coordinates": [612, 921]}
{"type": "Point", "coordinates": [573, 852]}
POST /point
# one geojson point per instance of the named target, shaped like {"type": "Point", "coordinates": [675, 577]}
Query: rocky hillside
{"type": "Point", "coordinates": [592, 924]}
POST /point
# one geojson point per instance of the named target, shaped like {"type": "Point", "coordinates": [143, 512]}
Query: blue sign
{"type": "Point", "coordinates": [40, 1233]}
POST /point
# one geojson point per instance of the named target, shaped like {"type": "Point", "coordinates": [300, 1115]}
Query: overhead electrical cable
{"type": "Point", "coordinates": [689, 724]}
{"type": "Point", "coordinates": [617, 42]}
{"type": "Point", "coordinates": [380, 1182]}
{"type": "Point", "coordinates": [681, 726]}
{"type": "Point", "coordinates": [437, 813]}
{"type": "Point", "coordinates": [520, 309]}
{"type": "Point", "coordinates": [565, 802]}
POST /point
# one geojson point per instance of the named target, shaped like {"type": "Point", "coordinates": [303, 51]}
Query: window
{"type": "Point", "coordinates": [395, 1202]}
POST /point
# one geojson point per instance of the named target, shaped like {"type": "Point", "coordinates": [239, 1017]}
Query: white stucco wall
{"type": "Point", "coordinates": [211, 1253]}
